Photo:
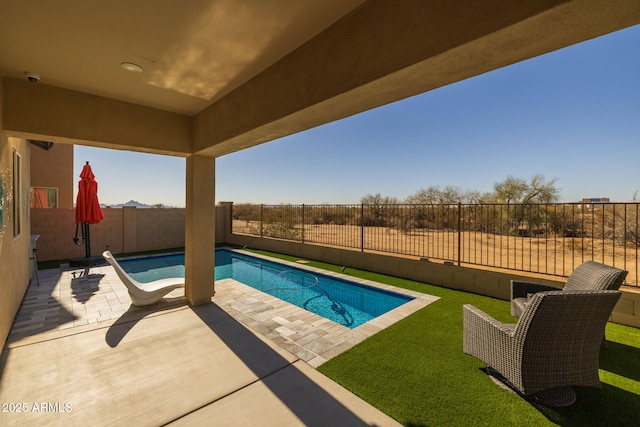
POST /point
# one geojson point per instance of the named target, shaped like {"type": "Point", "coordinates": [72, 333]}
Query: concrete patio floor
{"type": "Point", "coordinates": [79, 353]}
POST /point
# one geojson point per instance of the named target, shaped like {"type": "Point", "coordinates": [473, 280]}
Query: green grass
{"type": "Point", "coordinates": [415, 370]}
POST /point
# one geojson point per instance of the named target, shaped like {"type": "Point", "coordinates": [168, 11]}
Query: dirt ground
{"type": "Point", "coordinates": [557, 256]}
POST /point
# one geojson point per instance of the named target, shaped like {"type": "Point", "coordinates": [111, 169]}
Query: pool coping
{"type": "Point", "coordinates": [309, 336]}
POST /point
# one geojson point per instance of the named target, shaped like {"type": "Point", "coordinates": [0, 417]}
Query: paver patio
{"type": "Point", "coordinates": [78, 341]}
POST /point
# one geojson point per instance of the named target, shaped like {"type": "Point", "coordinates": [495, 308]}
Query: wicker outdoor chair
{"type": "Point", "coordinates": [590, 275]}
{"type": "Point", "coordinates": [554, 345]}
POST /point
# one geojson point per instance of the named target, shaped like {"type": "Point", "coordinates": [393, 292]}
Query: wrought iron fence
{"type": "Point", "coordinates": [540, 238]}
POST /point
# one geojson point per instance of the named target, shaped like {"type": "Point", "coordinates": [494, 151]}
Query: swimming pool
{"type": "Point", "coordinates": [345, 302]}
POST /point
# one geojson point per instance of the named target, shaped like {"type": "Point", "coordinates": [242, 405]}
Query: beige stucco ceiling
{"type": "Point", "coordinates": [224, 75]}
{"type": "Point", "coordinates": [193, 52]}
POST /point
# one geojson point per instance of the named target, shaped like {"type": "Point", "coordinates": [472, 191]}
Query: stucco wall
{"type": "Point", "coordinates": [54, 168]}
{"type": "Point", "coordinates": [70, 117]}
{"type": "Point", "coordinates": [14, 250]}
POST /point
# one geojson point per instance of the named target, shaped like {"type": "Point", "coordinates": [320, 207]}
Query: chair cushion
{"type": "Point", "coordinates": [518, 305]}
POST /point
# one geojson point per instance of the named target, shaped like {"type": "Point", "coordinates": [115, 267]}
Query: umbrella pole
{"type": "Point", "coordinates": [88, 260]}
{"type": "Point", "coordinates": [87, 239]}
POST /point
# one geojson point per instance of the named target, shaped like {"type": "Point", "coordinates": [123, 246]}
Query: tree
{"type": "Point", "coordinates": [521, 215]}
{"type": "Point", "coordinates": [377, 209]}
{"type": "Point", "coordinates": [541, 191]}
{"type": "Point", "coordinates": [474, 196]}
{"type": "Point", "coordinates": [377, 199]}
{"type": "Point", "coordinates": [434, 195]}
{"type": "Point", "coordinates": [510, 190]}
{"type": "Point", "coordinates": [518, 190]}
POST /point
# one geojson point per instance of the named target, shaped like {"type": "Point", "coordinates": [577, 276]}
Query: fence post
{"type": "Point", "coordinates": [261, 218]}
{"type": "Point", "coordinates": [230, 217]}
{"type": "Point", "coordinates": [303, 223]}
{"type": "Point", "coordinates": [459, 232]}
{"type": "Point", "coordinates": [361, 227]}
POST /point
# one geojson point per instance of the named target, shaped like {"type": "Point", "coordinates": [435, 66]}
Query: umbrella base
{"type": "Point", "coordinates": [91, 261]}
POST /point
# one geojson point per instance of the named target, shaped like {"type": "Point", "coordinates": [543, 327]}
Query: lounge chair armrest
{"type": "Point", "coordinates": [484, 336]}
{"type": "Point", "coordinates": [475, 317]}
{"type": "Point", "coordinates": [523, 289]}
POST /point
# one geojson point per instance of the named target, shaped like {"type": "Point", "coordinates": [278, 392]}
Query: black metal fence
{"type": "Point", "coordinates": [540, 238]}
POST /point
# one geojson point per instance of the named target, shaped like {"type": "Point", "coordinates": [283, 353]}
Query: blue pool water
{"type": "Point", "coordinates": [344, 302]}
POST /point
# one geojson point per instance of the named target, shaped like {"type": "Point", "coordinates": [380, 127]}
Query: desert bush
{"type": "Point", "coordinates": [280, 221]}
{"type": "Point", "coordinates": [246, 212]}
{"type": "Point", "coordinates": [330, 214]}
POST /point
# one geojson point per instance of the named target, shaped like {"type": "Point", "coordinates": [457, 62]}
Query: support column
{"type": "Point", "coordinates": [200, 230]}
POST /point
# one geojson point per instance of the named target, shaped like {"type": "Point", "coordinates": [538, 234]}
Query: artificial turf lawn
{"type": "Point", "coordinates": [415, 370]}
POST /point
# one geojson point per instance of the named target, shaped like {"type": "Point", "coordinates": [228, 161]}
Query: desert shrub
{"type": "Point", "coordinates": [246, 212]}
{"type": "Point", "coordinates": [280, 230]}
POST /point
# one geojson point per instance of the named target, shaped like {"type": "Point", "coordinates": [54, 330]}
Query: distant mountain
{"type": "Point", "coordinates": [137, 205]}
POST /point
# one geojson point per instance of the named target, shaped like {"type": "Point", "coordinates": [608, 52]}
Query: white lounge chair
{"type": "Point", "coordinates": [144, 293]}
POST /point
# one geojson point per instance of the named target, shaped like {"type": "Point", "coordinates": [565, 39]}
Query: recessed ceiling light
{"type": "Point", "coordinates": [130, 66]}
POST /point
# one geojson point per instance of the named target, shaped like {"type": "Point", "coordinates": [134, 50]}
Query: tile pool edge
{"type": "Point", "coordinates": [312, 337]}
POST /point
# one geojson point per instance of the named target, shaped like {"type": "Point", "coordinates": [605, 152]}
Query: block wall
{"type": "Point", "coordinates": [122, 230]}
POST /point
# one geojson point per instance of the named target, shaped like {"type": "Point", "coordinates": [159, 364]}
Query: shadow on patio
{"type": "Point", "coordinates": [165, 364]}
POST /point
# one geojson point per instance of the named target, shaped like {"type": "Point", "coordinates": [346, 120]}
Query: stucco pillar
{"type": "Point", "coordinates": [200, 229]}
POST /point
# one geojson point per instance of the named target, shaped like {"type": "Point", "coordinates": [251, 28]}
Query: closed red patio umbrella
{"type": "Point", "coordinates": [88, 210]}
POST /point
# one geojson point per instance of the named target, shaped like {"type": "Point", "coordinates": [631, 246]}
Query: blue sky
{"type": "Point", "coordinates": [571, 115]}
